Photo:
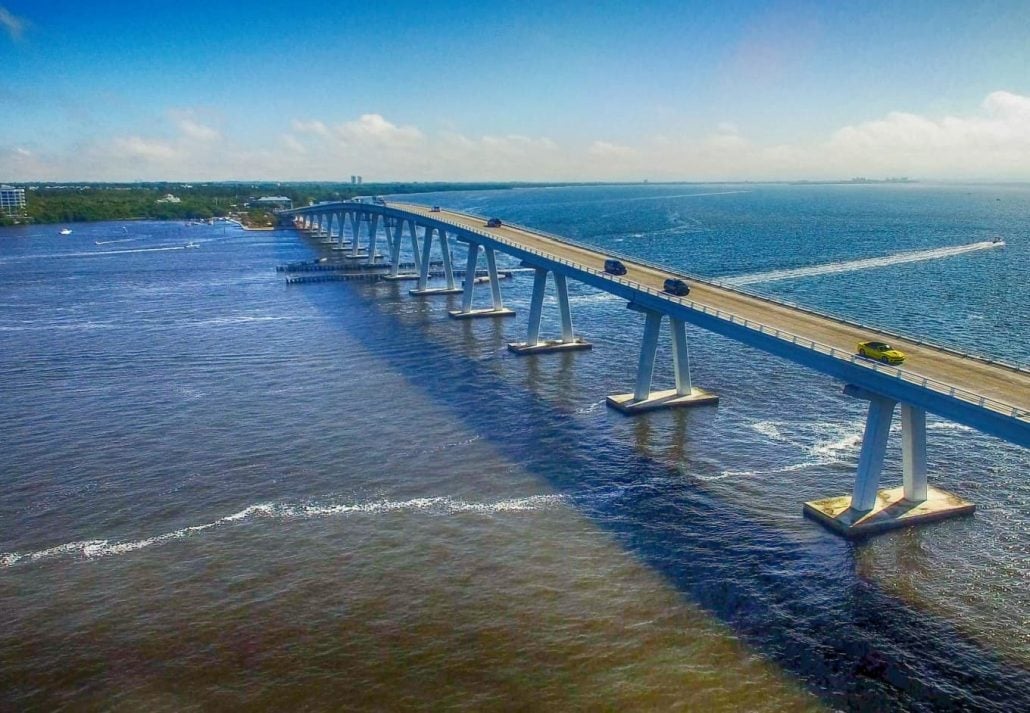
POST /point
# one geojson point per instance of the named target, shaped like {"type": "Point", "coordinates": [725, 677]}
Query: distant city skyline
{"type": "Point", "coordinates": [500, 91]}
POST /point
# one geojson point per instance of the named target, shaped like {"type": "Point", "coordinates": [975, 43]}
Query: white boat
{"type": "Point", "coordinates": [65, 231]}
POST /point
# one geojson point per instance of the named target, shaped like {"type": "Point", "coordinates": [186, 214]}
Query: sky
{"type": "Point", "coordinates": [514, 91]}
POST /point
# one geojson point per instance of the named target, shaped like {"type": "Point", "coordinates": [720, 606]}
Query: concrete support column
{"type": "Point", "coordinates": [466, 311]}
{"type": "Point", "coordinates": [870, 510]}
{"type": "Point", "coordinates": [393, 237]}
{"type": "Point", "coordinates": [643, 397]}
{"type": "Point", "coordinates": [561, 287]}
{"type": "Point", "coordinates": [495, 285]}
{"type": "Point", "coordinates": [445, 248]}
{"type": "Point", "coordinates": [373, 237]}
{"type": "Point", "coordinates": [423, 271]}
{"type": "Point", "coordinates": [470, 277]}
{"type": "Point", "coordinates": [648, 348]}
{"type": "Point", "coordinates": [874, 447]}
{"type": "Point", "coordinates": [680, 357]}
{"type": "Point", "coordinates": [356, 224]}
{"type": "Point", "coordinates": [536, 306]}
{"type": "Point", "coordinates": [533, 343]}
{"type": "Point", "coordinates": [416, 254]}
{"type": "Point", "coordinates": [913, 452]}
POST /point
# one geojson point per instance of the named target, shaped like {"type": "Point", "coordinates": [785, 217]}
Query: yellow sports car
{"type": "Point", "coordinates": [880, 352]}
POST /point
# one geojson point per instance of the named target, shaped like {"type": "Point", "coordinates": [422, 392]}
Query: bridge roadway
{"type": "Point", "coordinates": [998, 387]}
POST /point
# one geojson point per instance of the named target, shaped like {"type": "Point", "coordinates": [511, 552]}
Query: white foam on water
{"type": "Point", "coordinates": [864, 264]}
{"type": "Point", "coordinates": [947, 426]}
{"type": "Point", "coordinates": [108, 242]}
{"type": "Point", "coordinates": [596, 298]}
{"type": "Point", "coordinates": [768, 429]}
{"type": "Point", "coordinates": [683, 195]}
{"type": "Point", "coordinates": [823, 442]}
{"type": "Point", "coordinates": [98, 549]}
{"type": "Point", "coordinates": [95, 253]}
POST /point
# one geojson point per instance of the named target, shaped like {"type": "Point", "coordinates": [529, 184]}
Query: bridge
{"type": "Point", "coordinates": [982, 393]}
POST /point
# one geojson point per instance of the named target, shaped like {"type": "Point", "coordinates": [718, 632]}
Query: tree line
{"type": "Point", "coordinates": [73, 203]}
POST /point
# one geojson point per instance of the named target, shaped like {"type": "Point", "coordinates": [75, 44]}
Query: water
{"type": "Point", "coordinates": [220, 491]}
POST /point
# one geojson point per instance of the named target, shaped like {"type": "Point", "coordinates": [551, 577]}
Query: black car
{"type": "Point", "coordinates": [676, 287]}
{"type": "Point", "coordinates": [493, 223]}
{"type": "Point", "coordinates": [614, 267]}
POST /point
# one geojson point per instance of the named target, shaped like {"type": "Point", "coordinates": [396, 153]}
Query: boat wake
{"type": "Point", "coordinates": [865, 264]}
{"type": "Point", "coordinates": [95, 253]}
{"type": "Point", "coordinates": [97, 549]}
{"type": "Point", "coordinates": [683, 195]}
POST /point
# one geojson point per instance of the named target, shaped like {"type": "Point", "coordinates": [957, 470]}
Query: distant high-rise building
{"type": "Point", "coordinates": [354, 180]}
{"type": "Point", "coordinates": [359, 180]}
{"type": "Point", "coordinates": [12, 200]}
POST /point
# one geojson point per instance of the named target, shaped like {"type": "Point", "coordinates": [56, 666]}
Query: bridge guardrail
{"type": "Point", "coordinates": [778, 301]}
{"type": "Point", "coordinates": [901, 374]}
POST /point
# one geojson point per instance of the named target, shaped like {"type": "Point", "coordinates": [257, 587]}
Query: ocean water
{"type": "Point", "coordinates": [220, 491]}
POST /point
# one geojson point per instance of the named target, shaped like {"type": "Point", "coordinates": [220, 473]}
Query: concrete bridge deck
{"type": "Point", "coordinates": [999, 387]}
{"type": "Point", "coordinates": [976, 391]}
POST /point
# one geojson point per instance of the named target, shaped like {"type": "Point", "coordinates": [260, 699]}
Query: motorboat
{"type": "Point", "coordinates": [65, 231]}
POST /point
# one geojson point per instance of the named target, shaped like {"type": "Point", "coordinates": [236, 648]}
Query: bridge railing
{"type": "Point", "coordinates": [987, 359]}
{"type": "Point", "coordinates": [803, 342]}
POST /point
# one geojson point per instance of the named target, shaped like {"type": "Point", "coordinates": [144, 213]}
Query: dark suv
{"type": "Point", "coordinates": [493, 223]}
{"type": "Point", "coordinates": [614, 267]}
{"type": "Point", "coordinates": [676, 287]}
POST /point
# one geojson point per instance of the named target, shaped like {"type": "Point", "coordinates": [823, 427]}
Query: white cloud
{"type": "Point", "coordinates": [992, 142]}
{"type": "Point", "coordinates": [292, 143]}
{"type": "Point", "coordinates": [13, 24]}
{"type": "Point", "coordinates": [374, 129]}
{"type": "Point", "coordinates": [191, 129]}
{"type": "Point", "coordinates": [995, 143]}
{"type": "Point", "coordinates": [604, 149]}
{"type": "Point", "coordinates": [135, 147]}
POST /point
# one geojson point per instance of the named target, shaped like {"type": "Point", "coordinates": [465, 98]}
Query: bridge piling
{"type": "Point", "coordinates": [643, 398]}
{"type": "Point", "coordinates": [396, 240]}
{"type": "Point", "coordinates": [869, 509]}
{"type": "Point", "coordinates": [533, 344]}
{"type": "Point", "coordinates": [423, 288]}
{"type": "Point", "coordinates": [466, 311]}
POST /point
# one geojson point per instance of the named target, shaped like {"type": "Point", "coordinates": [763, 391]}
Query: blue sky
{"type": "Point", "coordinates": [514, 90]}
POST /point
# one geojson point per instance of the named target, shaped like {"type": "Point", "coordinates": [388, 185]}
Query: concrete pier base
{"type": "Point", "coordinates": [549, 345]}
{"type": "Point", "coordinates": [661, 400]}
{"type": "Point", "coordinates": [890, 511]}
{"type": "Point", "coordinates": [436, 291]}
{"type": "Point", "coordinates": [402, 276]}
{"type": "Point", "coordinates": [477, 313]}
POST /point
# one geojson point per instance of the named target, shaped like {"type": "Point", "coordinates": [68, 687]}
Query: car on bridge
{"type": "Point", "coordinates": [880, 351]}
{"type": "Point", "coordinates": [676, 287]}
{"type": "Point", "coordinates": [435, 209]}
{"type": "Point", "coordinates": [614, 267]}
{"type": "Point", "coordinates": [493, 223]}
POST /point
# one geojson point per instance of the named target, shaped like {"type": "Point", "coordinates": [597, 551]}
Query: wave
{"type": "Point", "coordinates": [120, 240]}
{"type": "Point", "coordinates": [824, 443]}
{"type": "Point", "coordinates": [683, 195]}
{"type": "Point", "coordinates": [864, 264]}
{"type": "Point", "coordinates": [98, 549]}
{"type": "Point", "coordinates": [96, 253]}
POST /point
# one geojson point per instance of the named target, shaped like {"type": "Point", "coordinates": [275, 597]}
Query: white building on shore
{"type": "Point", "coordinates": [12, 200]}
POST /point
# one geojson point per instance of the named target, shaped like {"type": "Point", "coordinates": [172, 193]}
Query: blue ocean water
{"type": "Point", "coordinates": [220, 490]}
